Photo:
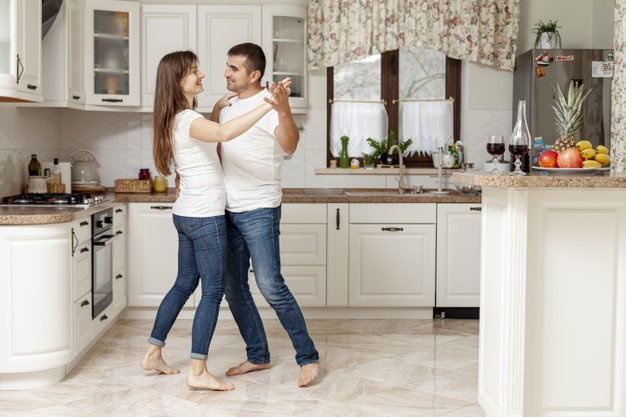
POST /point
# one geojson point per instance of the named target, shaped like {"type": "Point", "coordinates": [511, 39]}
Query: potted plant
{"type": "Point", "coordinates": [381, 149]}
{"type": "Point", "coordinates": [547, 35]}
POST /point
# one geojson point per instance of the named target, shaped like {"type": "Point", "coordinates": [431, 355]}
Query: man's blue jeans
{"type": "Point", "coordinates": [255, 234]}
{"type": "Point", "coordinates": [201, 256]}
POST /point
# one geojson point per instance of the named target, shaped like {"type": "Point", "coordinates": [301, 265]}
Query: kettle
{"type": "Point", "coordinates": [84, 172]}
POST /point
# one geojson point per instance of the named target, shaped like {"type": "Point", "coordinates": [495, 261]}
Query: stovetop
{"type": "Point", "coordinates": [53, 200]}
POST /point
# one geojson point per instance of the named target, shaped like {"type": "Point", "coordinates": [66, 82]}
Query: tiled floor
{"type": "Point", "coordinates": [369, 368]}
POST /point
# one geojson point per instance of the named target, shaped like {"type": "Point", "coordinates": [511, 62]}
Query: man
{"type": "Point", "coordinates": [252, 165]}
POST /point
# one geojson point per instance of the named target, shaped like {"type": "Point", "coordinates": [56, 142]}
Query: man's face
{"type": "Point", "coordinates": [237, 77]}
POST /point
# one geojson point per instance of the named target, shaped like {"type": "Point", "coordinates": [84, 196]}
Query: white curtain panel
{"type": "Point", "coordinates": [358, 121]}
{"type": "Point", "coordinates": [429, 124]}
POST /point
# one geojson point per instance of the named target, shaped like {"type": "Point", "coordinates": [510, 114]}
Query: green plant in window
{"type": "Point", "coordinates": [382, 147]}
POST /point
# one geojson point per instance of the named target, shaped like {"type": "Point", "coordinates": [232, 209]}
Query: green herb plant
{"type": "Point", "coordinates": [382, 147]}
{"type": "Point", "coordinates": [551, 28]}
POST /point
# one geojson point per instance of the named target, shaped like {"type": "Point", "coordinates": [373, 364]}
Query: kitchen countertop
{"type": "Point", "coordinates": [601, 179]}
{"type": "Point", "coordinates": [15, 215]}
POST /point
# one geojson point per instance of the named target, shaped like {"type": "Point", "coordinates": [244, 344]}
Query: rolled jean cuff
{"type": "Point", "coordinates": [156, 342]}
{"type": "Point", "coordinates": [198, 356]}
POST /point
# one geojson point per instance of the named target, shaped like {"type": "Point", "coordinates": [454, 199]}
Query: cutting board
{"type": "Point", "coordinates": [89, 190]}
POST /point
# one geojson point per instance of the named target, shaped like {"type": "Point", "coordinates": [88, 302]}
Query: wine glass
{"type": "Point", "coordinates": [518, 147]}
{"type": "Point", "coordinates": [495, 148]}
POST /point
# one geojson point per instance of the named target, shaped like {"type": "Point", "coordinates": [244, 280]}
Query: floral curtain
{"type": "Point", "coordinates": [483, 31]}
{"type": "Point", "coordinates": [618, 92]}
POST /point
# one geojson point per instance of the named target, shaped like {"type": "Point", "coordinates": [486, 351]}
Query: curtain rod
{"type": "Point", "coordinates": [419, 100]}
{"type": "Point", "coordinates": [331, 101]}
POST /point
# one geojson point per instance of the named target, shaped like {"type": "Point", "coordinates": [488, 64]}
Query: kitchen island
{"type": "Point", "coordinates": [553, 295]}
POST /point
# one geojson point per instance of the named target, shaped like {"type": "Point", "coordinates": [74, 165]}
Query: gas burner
{"type": "Point", "coordinates": [52, 200]}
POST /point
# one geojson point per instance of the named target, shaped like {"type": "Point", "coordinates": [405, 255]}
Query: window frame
{"type": "Point", "coordinates": [390, 90]}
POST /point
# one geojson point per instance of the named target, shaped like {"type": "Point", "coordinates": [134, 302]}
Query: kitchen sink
{"type": "Point", "coordinates": [390, 191]}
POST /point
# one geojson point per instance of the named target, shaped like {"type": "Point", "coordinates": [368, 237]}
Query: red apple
{"type": "Point", "coordinates": [570, 158]}
{"type": "Point", "coordinates": [548, 158]}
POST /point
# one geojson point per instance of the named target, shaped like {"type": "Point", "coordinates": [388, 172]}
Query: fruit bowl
{"type": "Point", "coordinates": [466, 189]}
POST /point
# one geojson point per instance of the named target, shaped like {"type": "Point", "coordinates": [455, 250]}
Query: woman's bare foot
{"type": "Point", "coordinates": [200, 377]}
{"type": "Point", "coordinates": [246, 367]}
{"type": "Point", "coordinates": [153, 361]}
{"type": "Point", "coordinates": [308, 373]}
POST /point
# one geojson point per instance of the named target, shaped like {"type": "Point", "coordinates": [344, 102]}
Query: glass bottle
{"type": "Point", "coordinates": [344, 160]}
{"type": "Point", "coordinates": [519, 142]}
{"type": "Point", "coordinates": [34, 167]}
{"type": "Point", "coordinates": [55, 177]}
{"type": "Point", "coordinates": [144, 173]}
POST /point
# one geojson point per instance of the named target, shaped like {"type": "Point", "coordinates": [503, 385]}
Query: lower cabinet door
{"type": "Point", "coordinates": [119, 290]}
{"type": "Point", "coordinates": [392, 265]}
{"type": "Point", "coordinates": [82, 322]}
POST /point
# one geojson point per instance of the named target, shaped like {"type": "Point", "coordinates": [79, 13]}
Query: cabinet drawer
{"type": "Point", "coordinates": [81, 231]}
{"type": "Point", "coordinates": [119, 248]}
{"type": "Point", "coordinates": [303, 244]}
{"type": "Point", "coordinates": [303, 213]}
{"type": "Point", "coordinates": [82, 322]}
{"type": "Point", "coordinates": [306, 283]}
{"type": "Point", "coordinates": [82, 269]}
{"type": "Point", "coordinates": [393, 213]}
{"type": "Point", "coordinates": [119, 216]}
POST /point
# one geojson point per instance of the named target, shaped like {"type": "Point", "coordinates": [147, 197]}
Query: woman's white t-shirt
{"type": "Point", "coordinates": [252, 162]}
{"type": "Point", "coordinates": [201, 176]}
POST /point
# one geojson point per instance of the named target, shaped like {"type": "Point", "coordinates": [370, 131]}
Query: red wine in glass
{"type": "Point", "coordinates": [495, 149]}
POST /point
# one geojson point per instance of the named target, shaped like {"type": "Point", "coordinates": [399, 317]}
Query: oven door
{"type": "Point", "coordinates": [102, 273]}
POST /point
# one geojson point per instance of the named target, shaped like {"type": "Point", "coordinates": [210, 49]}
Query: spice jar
{"type": "Point", "coordinates": [144, 173]}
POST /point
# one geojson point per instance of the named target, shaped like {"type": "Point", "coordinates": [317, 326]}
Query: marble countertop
{"type": "Point", "coordinates": [539, 179]}
{"type": "Point", "coordinates": [14, 215]}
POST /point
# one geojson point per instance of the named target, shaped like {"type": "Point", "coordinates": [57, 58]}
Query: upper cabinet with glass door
{"type": "Point", "coordinates": [284, 37]}
{"type": "Point", "coordinates": [112, 53]}
{"type": "Point", "coordinates": [20, 50]}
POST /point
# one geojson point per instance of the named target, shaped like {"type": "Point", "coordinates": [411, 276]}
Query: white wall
{"type": "Point", "coordinates": [122, 141]}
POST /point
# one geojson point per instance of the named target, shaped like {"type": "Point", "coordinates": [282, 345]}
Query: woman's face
{"type": "Point", "coordinates": [192, 83]}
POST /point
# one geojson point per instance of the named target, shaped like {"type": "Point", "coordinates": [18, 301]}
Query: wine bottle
{"type": "Point", "coordinates": [34, 167]}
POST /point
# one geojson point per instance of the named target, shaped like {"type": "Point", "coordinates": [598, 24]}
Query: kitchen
{"type": "Point", "coordinates": [122, 140]}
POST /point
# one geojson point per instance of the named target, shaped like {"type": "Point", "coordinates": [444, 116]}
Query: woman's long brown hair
{"type": "Point", "coordinates": [169, 100]}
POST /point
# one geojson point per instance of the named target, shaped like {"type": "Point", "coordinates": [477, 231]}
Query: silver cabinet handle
{"type": "Point", "coordinates": [20, 68]}
{"type": "Point", "coordinates": [476, 209]}
{"type": "Point", "coordinates": [392, 229]}
{"type": "Point", "coordinates": [161, 207]}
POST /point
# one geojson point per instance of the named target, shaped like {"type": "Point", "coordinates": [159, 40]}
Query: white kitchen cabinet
{"type": "Point", "coordinates": [35, 305]}
{"type": "Point", "coordinates": [82, 322]}
{"type": "Point", "coordinates": [119, 258]}
{"type": "Point", "coordinates": [74, 16]}
{"type": "Point", "coordinates": [392, 255]}
{"type": "Point", "coordinates": [337, 232]}
{"type": "Point", "coordinates": [152, 253]}
{"type": "Point", "coordinates": [303, 254]}
{"type": "Point", "coordinates": [20, 50]}
{"type": "Point", "coordinates": [458, 255]}
{"type": "Point", "coordinates": [221, 27]}
{"type": "Point", "coordinates": [112, 57]}
{"type": "Point", "coordinates": [81, 258]}
{"type": "Point", "coordinates": [284, 42]}
{"type": "Point", "coordinates": [165, 28]}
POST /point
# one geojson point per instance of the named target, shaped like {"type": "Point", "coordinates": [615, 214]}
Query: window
{"type": "Point", "coordinates": [408, 73]}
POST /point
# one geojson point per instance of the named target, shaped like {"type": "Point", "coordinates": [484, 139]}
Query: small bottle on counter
{"type": "Point", "coordinates": [144, 173]}
{"type": "Point", "coordinates": [34, 167]}
{"type": "Point", "coordinates": [55, 173]}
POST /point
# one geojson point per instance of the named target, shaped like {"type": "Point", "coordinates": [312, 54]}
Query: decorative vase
{"type": "Point", "coordinates": [344, 159]}
{"type": "Point", "coordinates": [547, 40]}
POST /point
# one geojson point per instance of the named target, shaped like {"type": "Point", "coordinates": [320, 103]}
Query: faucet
{"type": "Point", "coordinates": [401, 184]}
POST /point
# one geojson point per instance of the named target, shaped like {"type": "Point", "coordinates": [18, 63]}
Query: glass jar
{"type": "Point", "coordinates": [160, 184]}
{"type": "Point", "coordinates": [144, 173]}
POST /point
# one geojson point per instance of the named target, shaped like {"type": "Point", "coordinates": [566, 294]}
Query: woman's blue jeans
{"type": "Point", "coordinates": [255, 234]}
{"type": "Point", "coordinates": [201, 256]}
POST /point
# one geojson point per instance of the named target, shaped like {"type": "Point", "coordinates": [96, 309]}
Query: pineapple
{"type": "Point", "coordinates": [568, 115]}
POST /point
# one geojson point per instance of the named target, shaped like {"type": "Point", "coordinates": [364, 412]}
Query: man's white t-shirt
{"type": "Point", "coordinates": [201, 176]}
{"type": "Point", "coordinates": [252, 161]}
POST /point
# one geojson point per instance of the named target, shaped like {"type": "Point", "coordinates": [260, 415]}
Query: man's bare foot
{"type": "Point", "coordinates": [246, 367]}
{"type": "Point", "coordinates": [206, 380]}
{"type": "Point", "coordinates": [308, 373]}
{"type": "Point", "coordinates": [153, 361]}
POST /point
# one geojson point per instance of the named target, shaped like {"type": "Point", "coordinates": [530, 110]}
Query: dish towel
{"type": "Point", "coordinates": [358, 121]}
{"type": "Point", "coordinates": [428, 123]}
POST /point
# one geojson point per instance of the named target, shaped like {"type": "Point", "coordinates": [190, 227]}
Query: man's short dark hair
{"type": "Point", "coordinates": [255, 57]}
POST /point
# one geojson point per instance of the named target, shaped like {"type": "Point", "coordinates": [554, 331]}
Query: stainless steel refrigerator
{"type": "Point", "coordinates": [537, 70]}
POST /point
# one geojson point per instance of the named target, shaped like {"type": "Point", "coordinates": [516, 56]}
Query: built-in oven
{"type": "Point", "coordinates": [102, 261]}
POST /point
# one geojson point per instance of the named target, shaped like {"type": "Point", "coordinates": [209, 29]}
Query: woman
{"type": "Point", "coordinates": [186, 138]}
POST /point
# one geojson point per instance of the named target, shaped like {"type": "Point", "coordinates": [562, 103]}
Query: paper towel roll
{"type": "Point", "coordinates": [66, 173]}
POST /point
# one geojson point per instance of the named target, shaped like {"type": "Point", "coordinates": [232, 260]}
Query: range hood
{"type": "Point", "coordinates": [49, 11]}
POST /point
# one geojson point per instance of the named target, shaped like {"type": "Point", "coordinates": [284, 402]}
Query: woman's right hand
{"type": "Point", "coordinates": [224, 101]}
